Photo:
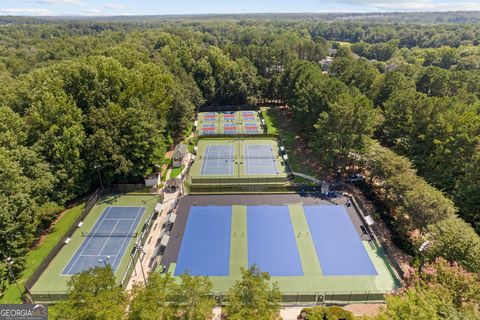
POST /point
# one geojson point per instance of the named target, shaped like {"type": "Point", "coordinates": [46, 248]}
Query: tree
{"type": "Point", "coordinates": [463, 287]}
{"type": "Point", "coordinates": [418, 303]}
{"type": "Point", "coordinates": [325, 313]}
{"type": "Point", "coordinates": [389, 84]}
{"type": "Point", "coordinates": [253, 297]}
{"type": "Point", "coordinates": [440, 290]}
{"type": "Point", "coordinates": [343, 130]}
{"type": "Point", "coordinates": [193, 299]}
{"type": "Point", "coordinates": [93, 294]}
{"type": "Point", "coordinates": [153, 301]}
{"type": "Point", "coordinates": [455, 240]}
{"type": "Point", "coordinates": [424, 205]}
{"type": "Point", "coordinates": [162, 298]}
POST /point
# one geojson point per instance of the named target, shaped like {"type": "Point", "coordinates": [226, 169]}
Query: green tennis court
{"type": "Point", "coordinates": [238, 160]}
{"type": "Point", "coordinates": [53, 281]}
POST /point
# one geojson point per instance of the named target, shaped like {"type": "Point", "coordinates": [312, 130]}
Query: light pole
{"type": "Point", "coordinates": [140, 251]}
{"type": "Point", "coordinates": [9, 263]}
{"type": "Point", "coordinates": [104, 261]}
{"type": "Point", "coordinates": [423, 247]}
{"type": "Point", "coordinates": [98, 174]}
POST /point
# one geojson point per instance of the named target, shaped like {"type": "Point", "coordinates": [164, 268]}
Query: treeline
{"type": "Point", "coordinates": [81, 103]}
{"type": "Point", "coordinates": [80, 99]}
{"type": "Point", "coordinates": [437, 290]}
{"type": "Point", "coordinates": [429, 114]}
{"type": "Point", "coordinates": [338, 114]}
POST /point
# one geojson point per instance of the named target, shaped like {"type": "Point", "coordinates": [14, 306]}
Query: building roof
{"type": "Point", "coordinates": [181, 150]}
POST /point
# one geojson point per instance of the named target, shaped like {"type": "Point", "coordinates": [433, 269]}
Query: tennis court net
{"type": "Point", "coordinates": [107, 234]}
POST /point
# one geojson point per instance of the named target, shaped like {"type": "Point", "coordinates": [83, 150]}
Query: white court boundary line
{"type": "Point", "coordinates": [104, 213]}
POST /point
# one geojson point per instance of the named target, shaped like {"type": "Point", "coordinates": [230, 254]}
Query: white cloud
{"type": "Point", "coordinates": [92, 12]}
{"type": "Point", "coordinates": [25, 12]}
{"type": "Point", "coordinates": [70, 2]}
{"type": "Point", "coordinates": [419, 5]}
{"type": "Point", "coordinates": [115, 6]}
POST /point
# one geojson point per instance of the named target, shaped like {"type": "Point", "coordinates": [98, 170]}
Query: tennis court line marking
{"type": "Point", "coordinates": [89, 240]}
{"type": "Point", "coordinates": [104, 213]}
{"type": "Point", "coordinates": [129, 230]}
{"type": "Point", "coordinates": [250, 163]}
{"type": "Point", "coordinates": [95, 255]}
{"type": "Point", "coordinates": [109, 236]}
{"type": "Point", "coordinates": [122, 219]}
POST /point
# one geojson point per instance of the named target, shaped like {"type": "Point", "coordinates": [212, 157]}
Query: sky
{"type": "Point", "coordinates": [163, 7]}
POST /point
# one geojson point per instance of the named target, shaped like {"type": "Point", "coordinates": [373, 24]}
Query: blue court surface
{"type": "Point", "coordinates": [271, 241]}
{"type": "Point", "coordinates": [259, 159]}
{"type": "Point", "coordinates": [110, 236]}
{"type": "Point", "coordinates": [205, 247]}
{"type": "Point", "coordinates": [338, 245]}
{"type": "Point", "coordinates": [218, 160]}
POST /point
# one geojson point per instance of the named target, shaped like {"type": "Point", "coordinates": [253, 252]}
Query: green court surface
{"type": "Point", "coordinates": [312, 279]}
{"type": "Point", "coordinates": [233, 120]}
{"type": "Point", "coordinates": [52, 283]}
{"type": "Point", "coordinates": [239, 163]}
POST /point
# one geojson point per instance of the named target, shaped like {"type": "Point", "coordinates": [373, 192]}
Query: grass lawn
{"type": "Point", "coordinates": [35, 257]}
{"type": "Point", "coordinates": [176, 171]}
{"type": "Point", "coordinates": [278, 124]}
{"type": "Point", "coordinates": [271, 128]}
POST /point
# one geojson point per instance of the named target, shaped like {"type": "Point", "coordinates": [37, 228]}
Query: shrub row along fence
{"type": "Point", "coordinates": [288, 298]}
{"type": "Point", "coordinates": [90, 203]}
{"type": "Point", "coordinates": [297, 298]}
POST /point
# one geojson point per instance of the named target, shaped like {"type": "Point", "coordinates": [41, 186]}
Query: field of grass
{"type": "Point", "coordinates": [36, 256]}
{"type": "Point", "coordinates": [271, 128]}
{"type": "Point", "coordinates": [278, 123]}
{"type": "Point", "coordinates": [176, 171]}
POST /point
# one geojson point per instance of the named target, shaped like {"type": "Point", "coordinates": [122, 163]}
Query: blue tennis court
{"type": "Point", "coordinates": [205, 247]}
{"type": "Point", "coordinates": [338, 245]}
{"type": "Point", "coordinates": [109, 237]}
{"type": "Point", "coordinates": [259, 159]}
{"type": "Point", "coordinates": [218, 159]}
{"type": "Point", "coordinates": [271, 241]}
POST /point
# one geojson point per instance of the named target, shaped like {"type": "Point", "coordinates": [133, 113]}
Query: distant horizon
{"type": "Point", "coordinates": [119, 8]}
{"type": "Point", "coordinates": [366, 13]}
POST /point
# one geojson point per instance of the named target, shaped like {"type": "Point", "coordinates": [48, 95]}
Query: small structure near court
{"type": "Point", "coordinates": [152, 180]}
{"type": "Point", "coordinates": [179, 155]}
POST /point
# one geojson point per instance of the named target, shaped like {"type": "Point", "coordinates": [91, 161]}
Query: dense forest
{"type": "Point", "coordinates": [81, 98]}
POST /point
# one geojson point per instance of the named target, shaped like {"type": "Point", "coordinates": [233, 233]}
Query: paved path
{"type": "Point", "coordinates": [152, 244]}
{"type": "Point", "coordinates": [304, 176]}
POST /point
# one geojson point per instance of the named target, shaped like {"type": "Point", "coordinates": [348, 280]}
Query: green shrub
{"type": "Point", "coordinates": [326, 313]}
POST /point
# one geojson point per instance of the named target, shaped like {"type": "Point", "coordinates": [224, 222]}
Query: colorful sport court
{"type": "Point", "coordinates": [111, 228]}
{"type": "Point", "coordinates": [302, 247]}
{"type": "Point", "coordinates": [229, 123]}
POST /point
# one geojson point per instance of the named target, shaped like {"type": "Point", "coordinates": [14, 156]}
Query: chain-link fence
{"type": "Point", "coordinates": [90, 203]}
{"type": "Point", "coordinates": [298, 298]}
